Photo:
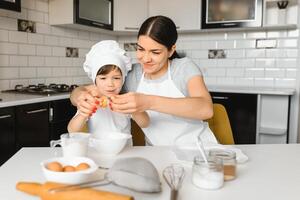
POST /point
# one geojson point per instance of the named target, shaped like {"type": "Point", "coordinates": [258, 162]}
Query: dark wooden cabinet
{"type": "Point", "coordinates": [242, 110]}
{"type": "Point", "coordinates": [61, 111]}
{"type": "Point", "coordinates": [7, 133]}
{"type": "Point", "coordinates": [32, 125]}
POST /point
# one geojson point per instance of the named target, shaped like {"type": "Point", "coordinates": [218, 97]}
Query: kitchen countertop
{"type": "Point", "coordinates": [272, 172]}
{"type": "Point", "coordinates": [252, 90]}
{"type": "Point", "coordinates": [12, 99]}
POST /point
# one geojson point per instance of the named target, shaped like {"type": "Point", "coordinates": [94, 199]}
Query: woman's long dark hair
{"type": "Point", "coordinates": [161, 29]}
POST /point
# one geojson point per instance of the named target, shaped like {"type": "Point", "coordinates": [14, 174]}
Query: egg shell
{"type": "Point", "coordinates": [82, 166]}
{"type": "Point", "coordinates": [55, 166]}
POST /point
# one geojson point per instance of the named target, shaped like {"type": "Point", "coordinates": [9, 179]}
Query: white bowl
{"type": "Point", "coordinates": [69, 177]}
{"type": "Point", "coordinates": [111, 144]}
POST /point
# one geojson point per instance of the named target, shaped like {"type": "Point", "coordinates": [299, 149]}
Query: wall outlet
{"type": "Point", "coordinates": [71, 52]}
{"type": "Point", "coordinates": [216, 54]}
{"type": "Point", "coordinates": [26, 26]}
{"type": "Point", "coordinates": [266, 43]}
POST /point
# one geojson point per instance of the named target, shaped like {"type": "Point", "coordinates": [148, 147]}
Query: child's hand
{"type": "Point", "coordinates": [89, 111]}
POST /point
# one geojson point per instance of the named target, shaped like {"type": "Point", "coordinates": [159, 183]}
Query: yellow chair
{"type": "Point", "coordinates": [220, 125]}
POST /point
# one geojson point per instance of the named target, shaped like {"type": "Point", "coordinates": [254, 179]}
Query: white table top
{"type": "Point", "coordinates": [272, 172]}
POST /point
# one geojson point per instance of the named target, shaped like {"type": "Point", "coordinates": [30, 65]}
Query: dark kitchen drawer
{"type": "Point", "coordinates": [7, 133]}
{"type": "Point", "coordinates": [61, 110]}
{"type": "Point", "coordinates": [32, 128]}
{"type": "Point", "coordinates": [241, 109]}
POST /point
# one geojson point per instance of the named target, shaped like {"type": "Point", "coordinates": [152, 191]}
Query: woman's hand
{"type": "Point", "coordinates": [130, 103]}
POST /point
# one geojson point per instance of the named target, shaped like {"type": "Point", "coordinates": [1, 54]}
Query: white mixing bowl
{"type": "Point", "coordinates": [110, 144]}
{"type": "Point", "coordinates": [69, 177]}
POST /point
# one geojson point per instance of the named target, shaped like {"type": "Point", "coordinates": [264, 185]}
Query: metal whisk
{"type": "Point", "coordinates": [174, 175]}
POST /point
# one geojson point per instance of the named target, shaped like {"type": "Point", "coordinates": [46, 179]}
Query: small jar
{"type": "Point", "coordinates": [229, 162]}
{"type": "Point", "coordinates": [208, 175]}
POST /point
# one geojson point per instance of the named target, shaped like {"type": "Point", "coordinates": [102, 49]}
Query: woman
{"type": "Point", "coordinates": [171, 89]}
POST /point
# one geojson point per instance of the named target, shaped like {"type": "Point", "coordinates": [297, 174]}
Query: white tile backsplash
{"type": "Point", "coordinates": [265, 62]}
{"type": "Point", "coordinates": [27, 49]}
{"type": "Point", "coordinates": [65, 61]}
{"type": "Point", "coordinates": [44, 72]}
{"type": "Point", "coordinates": [3, 35]}
{"type": "Point", "coordinates": [8, 48]}
{"type": "Point", "coordinates": [36, 61]}
{"type": "Point", "coordinates": [34, 38]}
{"type": "Point", "coordinates": [18, 61]}
{"type": "Point", "coordinates": [9, 72]}
{"type": "Point", "coordinates": [4, 60]}
{"type": "Point", "coordinates": [43, 28]}
{"type": "Point", "coordinates": [51, 40]}
{"type": "Point", "coordinates": [30, 4]}
{"type": "Point", "coordinates": [43, 50]}
{"type": "Point", "coordinates": [274, 73]}
{"type": "Point", "coordinates": [42, 6]}
{"type": "Point", "coordinates": [285, 43]}
{"type": "Point", "coordinates": [36, 16]}
{"type": "Point", "coordinates": [65, 42]}
{"type": "Point", "coordinates": [291, 73]}
{"type": "Point", "coordinates": [8, 23]}
{"type": "Point", "coordinates": [28, 72]}
{"type": "Point", "coordinates": [15, 36]}
{"type": "Point", "coordinates": [255, 53]}
{"type": "Point", "coordinates": [51, 61]}
{"type": "Point", "coordinates": [59, 51]}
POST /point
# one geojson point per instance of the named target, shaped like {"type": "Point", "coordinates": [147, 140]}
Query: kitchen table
{"type": "Point", "coordinates": [272, 172]}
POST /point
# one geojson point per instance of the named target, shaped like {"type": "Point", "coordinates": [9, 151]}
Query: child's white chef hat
{"type": "Point", "coordinates": [106, 52]}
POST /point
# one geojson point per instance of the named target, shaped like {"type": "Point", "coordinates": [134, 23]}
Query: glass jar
{"type": "Point", "coordinates": [229, 162]}
{"type": "Point", "coordinates": [208, 175]}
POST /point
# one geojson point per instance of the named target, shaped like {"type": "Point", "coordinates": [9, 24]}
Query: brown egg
{"type": "Point", "coordinates": [69, 168]}
{"type": "Point", "coordinates": [55, 166]}
{"type": "Point", "coordinates": [82, 166]}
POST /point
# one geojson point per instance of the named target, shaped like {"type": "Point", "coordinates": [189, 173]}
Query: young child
{"type": "Point", "coordinates": [107, 65]}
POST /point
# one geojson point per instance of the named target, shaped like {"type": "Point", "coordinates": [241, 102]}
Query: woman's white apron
{"type": "Point", "coordinates": [164, 129]}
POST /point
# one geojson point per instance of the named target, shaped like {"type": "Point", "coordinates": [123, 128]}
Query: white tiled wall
{"type": "Point", "coordinates": [31, 58]}
{"type": "Point", "coordinates": [244, 65]}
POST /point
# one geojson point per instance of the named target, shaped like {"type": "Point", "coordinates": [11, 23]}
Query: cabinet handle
{"type": "Point", "coordinates": [224, 98]}
{"type": "Point", "coordinates": [98, 24]}
{"type": "Point", "coordinates": [177, 27]}
{"type": "Point", "coordinates": [5, 116]}
{"type": "Point", "coordinates": [131, 28]}
{"type": "Point", "coordinates": [37, 111]}
{"type": "Point", "coordinates": [51, 114]}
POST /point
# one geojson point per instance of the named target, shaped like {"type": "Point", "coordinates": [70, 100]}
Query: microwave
{"type": "Point", "coordinates": [231, 13]}
{"type": "Point", "coordinates": [97, 13]}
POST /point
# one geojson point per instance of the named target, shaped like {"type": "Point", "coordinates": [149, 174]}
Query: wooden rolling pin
{"type": "Point", "coordinates": [42, 190]}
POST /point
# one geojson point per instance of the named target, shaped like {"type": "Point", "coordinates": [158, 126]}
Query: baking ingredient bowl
{"type": "Point", "coordinates": [68, 177]}
{"type": "Point", "coordinates": [110, 144]}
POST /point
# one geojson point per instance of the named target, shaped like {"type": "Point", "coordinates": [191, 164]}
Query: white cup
{"type": "Point", "coordinates": [73, 144]}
